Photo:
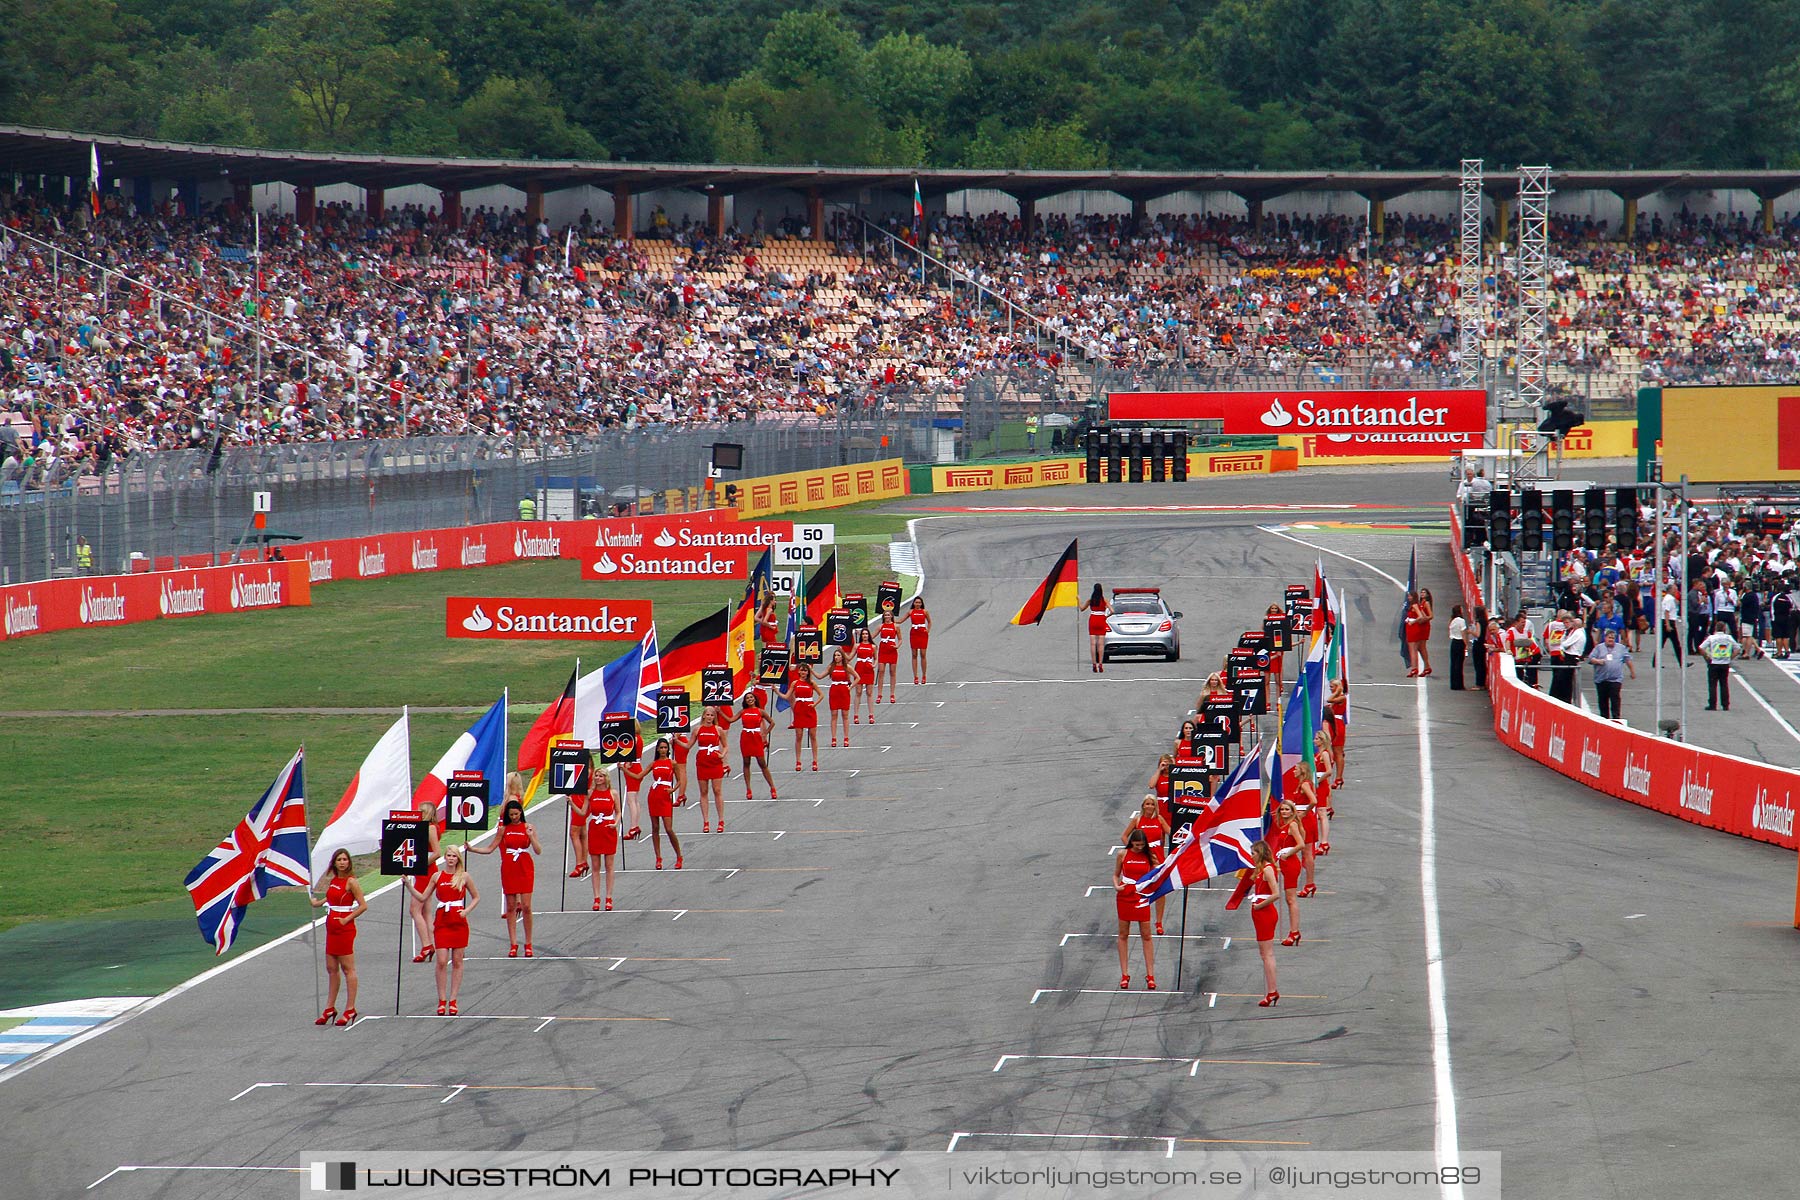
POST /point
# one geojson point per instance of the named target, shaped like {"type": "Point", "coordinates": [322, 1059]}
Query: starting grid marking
{"type": "Point", "coordinates": [679, 912]}
{"type": "Point", "coordinates": [1169, 1142]}
{"type": "Point", "coordinates": [455, 1089]}
{"type": "Point", "coordinates": [1193, 1064]}
{"type": "Point", "coordinates": [1160, 937]}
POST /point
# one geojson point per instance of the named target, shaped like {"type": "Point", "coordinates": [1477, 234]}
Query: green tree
{"type": "Point", "coordinates": [907, 78]}
{"type": "Point", "coordinates": [344, 78]}
{"type": "Point", "coordinates": [807, 48]}
{"type": "Point", "coordinates": [1065, 146]}
{"type": "Point", "coordinates": [520, 118]}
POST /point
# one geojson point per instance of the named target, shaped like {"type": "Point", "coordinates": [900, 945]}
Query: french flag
{"type": "Point", "coordinates": [481, 747]}
{"type": "Point", "coordinates": [1218, 842]}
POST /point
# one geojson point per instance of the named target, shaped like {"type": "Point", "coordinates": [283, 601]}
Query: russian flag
{"type": "Point", "coordinates": [480, 747]}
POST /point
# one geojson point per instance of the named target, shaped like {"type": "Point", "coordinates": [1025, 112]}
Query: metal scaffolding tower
{"type": "Point", "coordinates": [1471, 317]}
{"type": "Point", "coordinates": [1534, 285]}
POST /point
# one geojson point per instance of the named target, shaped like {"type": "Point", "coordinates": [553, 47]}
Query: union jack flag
{"type": "Point", "coordinates": [1218, 842]}
{"type": "Point", "coordinates": [268, 849]}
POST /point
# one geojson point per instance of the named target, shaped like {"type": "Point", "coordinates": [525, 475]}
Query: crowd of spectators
{"type": "Point", "coordinates": [134, 331]}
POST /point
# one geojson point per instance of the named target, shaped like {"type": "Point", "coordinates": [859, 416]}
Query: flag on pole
{"type": "Point", "coordinates": [633, 679]}
{"type": "Point", "coordinates": [695, 648]}
{"type": "Point", "coordinates": [1061, 589]}
{"type": "Point", "coordinates": [918, 203]}
{"type": "Point", "coordinates": [1412, 589]}
{"type": "Point", "coordinates": [382, 785]}
{"type": "Point", "coordinates": [740, 644]}
{"type": "Point", "coordinates": [553, 723]}
{"type": "Point", "coordinates": [94, 186]}
{"type": "Point", "coordinates": [266, 850]}
{"type": "Point", "coordinates": [822, 591]}
{"type": "Point", "coordinates": [762, 578]}
{"type": "Point", "coordinates": [480, 747]}
{"type": "Point", "coordinates": [1218, 842]}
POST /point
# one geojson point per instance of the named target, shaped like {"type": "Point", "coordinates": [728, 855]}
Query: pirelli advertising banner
{"type": "Point", "coordinates": [834, 487]}
{"type": "Point", "coordinates": [1348, 424]}
{"type": "Point", "coordinates": [1050, 472]}
{"type": "Point", "coordinates": [1731, 434]}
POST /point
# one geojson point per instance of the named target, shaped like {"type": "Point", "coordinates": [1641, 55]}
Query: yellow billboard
{"type": "Point", "coordinates": [830, 487]}
{"type": "Point", "coordinates": [1729, 434]}
{"type": "Point", "coordinates": [1052, 471]}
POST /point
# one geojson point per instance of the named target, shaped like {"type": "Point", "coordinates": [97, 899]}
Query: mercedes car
{"type": "Point", "coordinates": [1141, 622]}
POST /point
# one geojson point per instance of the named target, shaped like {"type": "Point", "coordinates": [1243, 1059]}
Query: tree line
{"type": "Point", "coordinates": [1153, 84]}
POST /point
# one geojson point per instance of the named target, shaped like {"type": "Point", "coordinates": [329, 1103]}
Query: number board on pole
{"type": "Point", "coordinates": [857, 605]}
{"type": "Point", "coordinates": [815, 535]}
{"type": "Point", "coordinates": [673, 712]}
{"type": "Point", "coordinates": [571, 769]}
{"type": "Point", "coordinates": [1220, 714]}
{"type": "Point", "coordinates": [405, 845]}
{"type": "Point", "coordinates": [838, 626]}
{"type": "Point", "coordinates": [618, 738]}
{"type": "Point", "coordinates": [1239, 656]}
{"type": "Point", "coordinates": [809, 644]}
{"type": "Point", "coordinates": [1302, 620]}
{"type": "Point", "coordinates": [1190, 786]}
{"type": "Point", "coordinates": [772, 667]}
{"type": "Point", "coordinates": [1293, 595]}
{"type": "Point", "coordinates": [466, 795]}
{"type": "Point", "coordinates": [792, 555]}
{"type": "Point", "coordinates": [1251, 686]}
{"type": "Point", "coordinates": [715, 686]}
{"type": "Point", "coordinates": [1280, 633]}
{"type": "Point", "coordinates": [784, 583]}
{"type": "Point", "coordinates": [887, 597]}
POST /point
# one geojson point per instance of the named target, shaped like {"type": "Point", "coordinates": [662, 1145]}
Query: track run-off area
{"type": "Point", "coordinates": [913, 948]}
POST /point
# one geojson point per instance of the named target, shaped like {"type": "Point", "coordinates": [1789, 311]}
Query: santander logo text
{"type": "Point", "coordinates": [182, 601]}
{"type": "Point", "coordinates": [318, 570]}
{"type": "Point", "coordinates": [474, 553]}
{"type": "Point", "coordinates": [100, 608]}
{"type": "Point", "coordinates": [424, 557]}
{"type": "Point", "coordinates": [1350, 418]}
{"type": "Point", "coordinates": [1696, 792]}
{"type": "Point", "coordinates": [21, 617]}
{"type": "Point", "coordinates": [691, 565]}
{"type": "Point", "coordinates": [1637, 775]}
{"type": "Point", "coordinates": [249, 593]}
{"type": "Point", "coordinates": [519, 617]}
{"type": "Point", "coordinates": [1771, 817]}
{"type": "Point", "coordinates": [526, 546]}
{"type": "Point", "coordinates": [370, 563]}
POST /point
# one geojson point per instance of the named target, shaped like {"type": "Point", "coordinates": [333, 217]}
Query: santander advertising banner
{"type": "Point", "coordinates": [1347, 423]}
{"type": "Point", "coordinates": [656, 562]}
{"type": "Point", "coordinates": [533, 618]}
{"type": "Point", "coordinates": [97, 603]}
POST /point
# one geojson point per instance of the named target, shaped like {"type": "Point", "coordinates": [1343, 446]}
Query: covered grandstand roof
{"type": "Point", "coordinates": [32, 151]}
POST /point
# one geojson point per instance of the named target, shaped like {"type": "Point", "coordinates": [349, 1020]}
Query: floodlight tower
{"type": "Point", "coordinates": [1470, 310]}
{"type": "Point", "coordinates": [1534, 285]}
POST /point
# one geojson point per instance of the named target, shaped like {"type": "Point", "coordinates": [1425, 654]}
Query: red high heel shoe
{"type": "Point", "coordinates": [425, 954]}
{"type": "Point", "coordinates": [721, 825]}
{"type": "Point", "coordinates": [1270, 1000]}
{"type": "Point", "coordinates": [1311, 889]}
{"type": "Point", "coordinates": [1159, 929]}
{"type": "Point", "coordinates": [596, 904]}
{"type": "Point", "coordinates": [678, 862]}
{"type": "Point", "coordinates": [528, 950]}
{"type": "Point", "coordinates": [632, 834]}
{"type": "Point", "coordinates": [325, 1017]}
{"type": "Point", "coordinates": [1124, 982]}
{"type": "Point", "coordinates": [349, 1018]}
{"type": "Point", "coordinates": [609, 904]}
{"type": "Point", "coordinates": [1323, 849]}
{"type": "Point", "coordinates": [796, 764]}
{"type": "Point", "coordinates": [512, 951]}
{"type": "Point", "coordinates": [453, 1008]}
{"type": "Point", "coordinates": [659, 863]}
{"type": "Point", "coordinates": [1150, 982]}
{"type": "Point", "coordinates": [1409, 675]}
{"type": "Point", "coordinates": [442, 1007]}
{"type": "Point", "coordinates": [815, 764]}
{"type": "Point", "coordinates": [1292, 939]}
{"type": "Point", "coordinates": [706, 827]}
{"type": "Point", "coordinates": [834, 743]}
{"type": "Point", "coordinates": [773, 795]}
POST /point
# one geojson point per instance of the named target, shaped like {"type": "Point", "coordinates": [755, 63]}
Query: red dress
{"type": "Point", "coordinates": [1097, 620]}
{"type": "Point", "coordinates": [1131, 906]}
{"type": "Point", "coordinates": [887, 643]}
{"type": "Point", "coordinates": [662, 788]}
{"type": "Point", "coordinates": [1289, 866]}
{"type": "Point", "coordinates": [1265, 918]}
{"type": "Point", "coordinates": [450, 928]}
{"type": "Point", "coordinates": [805, 699]}
{"type": "Point", "coordinates": [518, 870]}
{"type": "Point", "coordinates": [865, 663]}
{"type": "Point", "coordinates": [751, 722]}
{"type": "Point", "coordinates": [632, 773]}
{"type": "Point", "coordinates": [919, 635]}
{"type": "Point", "coordinates": [837, 695]}
{"type": "Point", "coordinates": [709, 754]}
{"type": "Point", "coordinates": [603, 824]}
{"type": "Point", "coordinates": [1155, 830]}
{"type": "Point", "coordinates": [340, 929]}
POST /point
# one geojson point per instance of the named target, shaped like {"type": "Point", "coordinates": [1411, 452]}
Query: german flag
{"type": "Point", "coordinates": [700, 645]}
{"type": "Point", "coordinates": [1060, 589]}
{"type": "Point", "coordinates": [822, 591]}
{"type": "Point", "coordinates": [534, 751]}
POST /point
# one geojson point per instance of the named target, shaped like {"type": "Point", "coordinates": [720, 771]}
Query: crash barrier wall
{"type": "Point", "coordinates": [805, 491]}
{"type": "Point", "coordinates": [105, 601]}
{"type": "Point", "coordinates": [1598, 439]}
{"type": "Point", "coordinates": [1701, 786]}
{"type": "Point", "coordinates": [1050, 472]}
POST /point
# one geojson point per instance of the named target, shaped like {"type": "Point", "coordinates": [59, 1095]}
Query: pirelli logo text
{"type": "Point", "coordinates": [1234, 464]}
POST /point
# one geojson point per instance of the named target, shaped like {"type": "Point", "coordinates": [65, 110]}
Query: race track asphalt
{"type": "Point", "coordinates": [1620, 986]}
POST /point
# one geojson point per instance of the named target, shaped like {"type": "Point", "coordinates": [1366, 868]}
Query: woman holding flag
{"type": "Point", "coordinates": [1337, 702]}
{"type": "Point", "coordinates": [600, 821]}
{"type": "Point", "coordinates": [1096, 608]}
{"type": "Point", "coordinates": [418, 895]}
{"type": "Point", "coordinates": [343, 902]}
{"type": "Point", "coordinates": [1322, 770]}
{"type": "Point", "coordinates": [1264, 917]}
{"type": "Point", "coordinates": [1287, 844]}
{"type": "Point", "coordinates": [709, 765]}
{"type": "Point", "coordinates": [1151, 819]}
{"type": "Point", "coordinates": [1130, 865]}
